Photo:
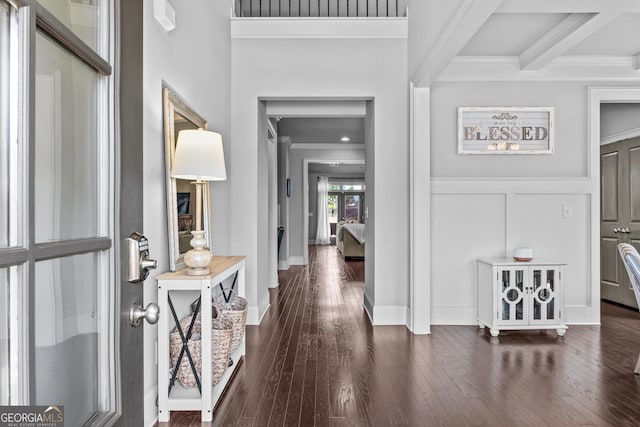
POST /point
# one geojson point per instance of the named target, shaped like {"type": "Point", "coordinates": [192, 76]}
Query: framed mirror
{"type": "Point", "coordinates": [181, 202]}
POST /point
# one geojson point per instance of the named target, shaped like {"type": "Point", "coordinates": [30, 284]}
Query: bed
{"type": "Point", "coordinates": [350, 239]}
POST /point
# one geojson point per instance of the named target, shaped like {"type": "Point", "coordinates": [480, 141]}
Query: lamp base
{"type": "Point", "coordinates": [198, 259]}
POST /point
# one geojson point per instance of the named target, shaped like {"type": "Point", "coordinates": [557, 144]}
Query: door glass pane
{"type": "Point", "coordinates": [550, 292]}
{"type": "Point", "coordinates": [537, 283]}
{"type": "Point", "coordinates": [66, 336]}
{"type": "Point", "coordinates": [66, 183]}
{"type": "Point", "coordinates": [512, 295]}
{"type": "Point", "coordinates": [5, 342]}
{"type": "Point", "coordinates": [5, 151]}
{"type": "Point", "coordinates": [352, 207]}
{"type": "Point", "coordinates": [333, 211]}
{"type": "Point", "coordinates": [80, 16]}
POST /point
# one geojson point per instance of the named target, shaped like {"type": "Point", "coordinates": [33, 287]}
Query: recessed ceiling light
{"type": "Point", "coordinates": [345, 139]}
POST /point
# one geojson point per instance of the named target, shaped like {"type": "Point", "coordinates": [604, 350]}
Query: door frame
{"type": "Point", "coordinates": [597, 96]}
{"type": "Point", "coordinates": [305, 198]}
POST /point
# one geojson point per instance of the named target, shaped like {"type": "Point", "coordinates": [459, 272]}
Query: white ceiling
{"type": "Point", "coordinates": [596, 40]}
{"type": "Point", "coordinates": [340, 169]}
{"type": "Point", "coordinates": [322, 129]}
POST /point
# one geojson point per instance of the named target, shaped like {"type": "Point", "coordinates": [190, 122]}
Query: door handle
{"type": "Point", "coordinates": [137, 313]}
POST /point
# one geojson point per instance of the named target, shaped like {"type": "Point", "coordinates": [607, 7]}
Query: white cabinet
{"type": "Point", "coordinates": [520, 295]}
{"type": "Point", "coordinates": [176, 290]}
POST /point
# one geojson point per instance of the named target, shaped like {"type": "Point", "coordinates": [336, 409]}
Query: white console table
{"type": "Point", "coordinates": [520, 295]}
{"type": "Point", "coordinates": [184, 289]}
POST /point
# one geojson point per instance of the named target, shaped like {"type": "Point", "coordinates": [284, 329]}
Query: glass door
{"type": "Point", "coordinates": [57, 203]}
{"type": "Point", "coordinates": [512, 301]}
{"type": "Point", "coordinates": [544, 295]}
{"type": "Point", "coordinates": [352, 208]}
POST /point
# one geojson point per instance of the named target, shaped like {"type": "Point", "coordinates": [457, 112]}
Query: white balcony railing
{"type": "Point", "coordinates": [320, 8]}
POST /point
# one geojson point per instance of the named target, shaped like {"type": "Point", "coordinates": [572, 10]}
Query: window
{"type": "Point", "coordinates": [56, 273]}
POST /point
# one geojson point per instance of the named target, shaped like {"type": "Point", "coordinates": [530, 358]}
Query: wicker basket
{"type": "Point", "coordinates": [236, 312]}
{"type": "Point", "coordinates": [221, 334]}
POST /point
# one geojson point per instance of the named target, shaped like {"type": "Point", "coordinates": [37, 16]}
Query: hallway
{"type": "Point", "coordinates": [315, 360]}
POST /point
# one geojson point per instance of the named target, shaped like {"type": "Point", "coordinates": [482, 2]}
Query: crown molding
{"type": "Point", "coordinates": [319, 28]}
{"type": "Point", "coordinates": [564, 68]}
{"type": "Point", "coordinates": [621, 136]}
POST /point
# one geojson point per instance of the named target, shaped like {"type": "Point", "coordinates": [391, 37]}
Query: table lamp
{"type": "Point", "coordinates": [199, 156]}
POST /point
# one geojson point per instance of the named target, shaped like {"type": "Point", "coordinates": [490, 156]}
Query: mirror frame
{"type": "Point", "coordinates": [172, 104]}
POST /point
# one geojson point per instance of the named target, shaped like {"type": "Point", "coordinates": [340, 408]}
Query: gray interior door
{"type": "Point", "coordinates": [131, 209]}
{"type": "Point", "coordinates": [620, 215]}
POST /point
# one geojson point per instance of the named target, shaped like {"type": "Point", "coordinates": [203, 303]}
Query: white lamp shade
{"type": "Point", "coordinates": [199, 155]}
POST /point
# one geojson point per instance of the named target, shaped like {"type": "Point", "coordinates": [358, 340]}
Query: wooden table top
{"type": "Point", "coordinates": [218, 265]}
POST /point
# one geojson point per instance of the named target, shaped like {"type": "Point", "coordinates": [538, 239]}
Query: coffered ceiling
{"type": "Point", "coordinates": [536, 39]}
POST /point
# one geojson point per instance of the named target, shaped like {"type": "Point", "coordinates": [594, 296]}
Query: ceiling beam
{"type": "Point", "coordinates": [568, 6]}
{"type": "Point", "coordinates": [568, 33]}
{"type": "Point", "coordinates": [465, 23]}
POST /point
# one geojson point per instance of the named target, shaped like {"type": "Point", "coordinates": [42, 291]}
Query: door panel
{"type": "Point", "coordinates": [634, 184]}
{"type": "Point", "coordinates": [609, 189]}
{"type": "Point", "coordinates": [620, 210]}
{"type": "Point", "coordinates": [131, 212]}
{"type": "Point", "coordinates": [544, 296]}
{"type": "Point", "coordinates": [512, 297]}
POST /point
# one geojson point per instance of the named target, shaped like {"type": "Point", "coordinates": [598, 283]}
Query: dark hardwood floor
{"type": "Point", "coordinates": [315, 360]}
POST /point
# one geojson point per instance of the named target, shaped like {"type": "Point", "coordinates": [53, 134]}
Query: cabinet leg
{"type": "Point", "coordinates": [480, 325]}
{"type": "Point", "coordinates": [561, 331]}
{"type": "Point", "coordinates": [494, 332]}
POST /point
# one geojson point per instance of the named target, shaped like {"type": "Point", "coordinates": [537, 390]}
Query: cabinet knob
{"type": "Point", "coordinates": [616, 230]}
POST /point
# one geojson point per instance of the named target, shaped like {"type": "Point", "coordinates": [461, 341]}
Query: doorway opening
{"type": "Point", "coordinates": [313, 139]}
{"type": "Point", "coordinates": [620, 197]}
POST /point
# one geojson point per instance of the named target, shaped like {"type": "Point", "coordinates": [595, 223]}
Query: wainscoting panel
{"type": "Point", "coordinates": [466, 226]}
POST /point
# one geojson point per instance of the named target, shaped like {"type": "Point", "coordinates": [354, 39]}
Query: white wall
{"type": "Point", "coordinates": [323, 68]}
{"type": "Point", "coordinates": [484, 206]}
{"type": "Point", "coordinates": [618, 119]}
{"type": "Point", "coordinates": [569, 100]}
{"type": "Point", "coordinates": [194, 59]}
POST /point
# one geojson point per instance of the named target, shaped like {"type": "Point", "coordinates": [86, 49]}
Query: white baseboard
{"type": "Point", "coordinates": [368, 307]}
{"type": "Point", "coordinates": [390, 315]}
{"type": "Point", "coordinates": [264, 313]}
{"type": "Point", "coordinates": [296, 260]}
{"type": "Point", "coordinates": [252, 315]}
{"type": "Point", "coordinates": [150, 408]}
{"type": "Point", "coordinates": [283, 265]}
{"type": "Point", "coordinates": [454, 315]}
{"type": "Point", "coordinates": [419, 329]}
{"type": "Point", "coordinates": [580, 315]}
{"type": "Point", "coordinates": [574, 315]}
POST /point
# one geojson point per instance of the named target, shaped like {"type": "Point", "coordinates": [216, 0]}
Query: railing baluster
{"type": "Point", "coordinates": [343, 8]}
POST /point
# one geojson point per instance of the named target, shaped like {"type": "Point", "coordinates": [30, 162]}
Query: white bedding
{"type": "Point", "coordinates": [357, 230]}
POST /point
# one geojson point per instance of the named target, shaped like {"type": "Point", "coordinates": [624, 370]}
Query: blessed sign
{"type": "Point", "coordinates": [505, 130]}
